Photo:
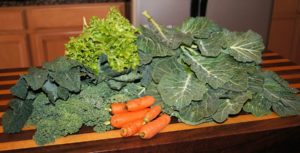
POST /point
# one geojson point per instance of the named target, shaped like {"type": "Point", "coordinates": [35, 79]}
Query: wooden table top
{"type": "Point", "coordinates": [243, 133]}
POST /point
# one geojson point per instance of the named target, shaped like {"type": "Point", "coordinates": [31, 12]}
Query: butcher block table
{"type": "Point", "coordinates": [242, 133]}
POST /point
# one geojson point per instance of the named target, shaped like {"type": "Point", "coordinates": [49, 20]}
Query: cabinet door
{"type": "Point", "coordinates": [46, 46]}
{"type": "Point", "coordinates": [13, 51]}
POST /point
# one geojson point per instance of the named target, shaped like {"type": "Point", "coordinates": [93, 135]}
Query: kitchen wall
{"type": "Point", "coordinates": [241, 15]}
{"type": "Point", "coordinates": [165, 12]}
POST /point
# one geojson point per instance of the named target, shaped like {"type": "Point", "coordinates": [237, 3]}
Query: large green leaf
{"type": "Point", "coordinates": [20, 89]}
{"type": "Point", "coordinates": [258, 106]}
{"type": "Point", "coordinates": [179, 89]}
{"type": "Point", "coordinates": [211, 46]}
{"type": "Point", "coordinates": [36, 78]}
{"type": "Point", "coordinates": [174, 38]}
{"type": "Point", "coordinates": [61, 64]}
{"type": "Point", "coordinates": [151, 45]}
{"type": "Point", "coordinates": [214, 71]}
{"type": "Point", "coordinates": [199, 27]}
{"type": "Point", "coordinates": [15, 118]}
{"type": "Point", "coordinates": [245, 47]}
{"type": "Point", "coordinates": [231, 106]}
{"type": "Point", "coordinates": [51, 90]}
{"type": "Point", "coordinates": [200, 111]}
{"type": "Point", "coordinates": [69, 80]}
{"type": "Point", "coordinates": [192, 114]}
{"type": "Point", "coordinates": [239, 81]}
{"type": "Point", "coordinates": [165, 66]}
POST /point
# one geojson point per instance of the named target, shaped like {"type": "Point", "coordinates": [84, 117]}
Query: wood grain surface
{"type": "Point", "coordinates": [242, 133]}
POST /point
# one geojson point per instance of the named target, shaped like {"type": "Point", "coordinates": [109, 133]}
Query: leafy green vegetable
{"type": "Point", "coordinates": [14, 119]}
{"type": "Point", "coordinates": [36, 78]}
{"type": "Point", "coordinates": [231, 106]}
{"type": "Point", "coordinates": [20, 89]}
{"type": "Point", "coordinates": [113, 36]}
{"type": "Point", "coordinates": [245, 47]}
{"type": "Point", "coordinates": [180, 89]}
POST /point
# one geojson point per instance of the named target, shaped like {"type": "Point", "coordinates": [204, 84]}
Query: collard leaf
{"type": "Point", "coordinates": [36, 78]}
{"type": "Point", "coordinates": [146, 72]}
{"type": "Point", "coordinates": [214, 71]}
{"type": "Point", "coordinates": [258, 106]}
{"type": "Point", "coordinates": [51, 90]}
{"type": "Point", "coordinates": [60, 64]}
{"type": "Point", "coordinates": [15, 118]}
{"type": "Point", "coordinates": [20, 89]}
{"type": "Point", "coordinates": [231, 106]}
{"type": "Point", "coordinates": [211, 46]}
{"type": "Point", "coordinates": [239, 81]}
{"type": "Point", "coordinates": [150, 44]}
{"type": "Point", "coordinates": [245, 47]}
{"type": "Point", "coordinates": [199, 111]}
{"type": "Point", "coordinates": [179, 89]}
{"type": "Point", "coordinates": [165, 66]}
{"type": "Point", "coordinates": [192, 114]}
{"type": "Point", "coordinates": [174, 38]}
{"type": "Point", "coordinates": [199, 27]}
{"type": "Point", "coordinates": [69, 80]}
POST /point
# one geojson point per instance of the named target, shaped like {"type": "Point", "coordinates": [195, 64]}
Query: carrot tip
{"type": "Point", "coordinates": [142, 134]}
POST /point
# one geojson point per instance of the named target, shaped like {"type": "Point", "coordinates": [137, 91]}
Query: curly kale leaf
{"type": "Point", "coordinates": [114, 37]}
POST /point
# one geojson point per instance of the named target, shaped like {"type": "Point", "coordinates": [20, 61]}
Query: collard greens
{"type": "Point", "coordinates": [214, 76]}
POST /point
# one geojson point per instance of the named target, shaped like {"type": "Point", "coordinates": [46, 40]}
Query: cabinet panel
{"type": "Point", "coordinates": [67, 16]}
{"type": "Point", "coordinates": [46, 46]}
{"type": "Point", "coordinates": [284, 8]}
{"type": "Point", "coordinates": [11, 19]}
{"type": "Point", "coordinates": [13, 51]}
{"type": "Point", "coordinates": [282, 36]}
{"type": "Point", "coordinates": [296, 50]}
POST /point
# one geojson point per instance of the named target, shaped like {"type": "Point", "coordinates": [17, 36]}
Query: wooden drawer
{"type": "Point", "coordinates": [67, 16]}
{"type": "Point", "coordinates": [11, 19]}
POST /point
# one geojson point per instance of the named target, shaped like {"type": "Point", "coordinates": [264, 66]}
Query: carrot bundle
{"type": "Point", "coordinates": [135, 116]}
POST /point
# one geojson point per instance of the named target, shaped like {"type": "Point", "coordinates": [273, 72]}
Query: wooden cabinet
{"type": "Point", "coordinates": [284, 36]}
{"type": "Point", "coordinates": [30, 36]}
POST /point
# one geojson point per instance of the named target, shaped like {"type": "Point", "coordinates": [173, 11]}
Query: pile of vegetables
{"type": "Point", "coordinates": [197, 72]}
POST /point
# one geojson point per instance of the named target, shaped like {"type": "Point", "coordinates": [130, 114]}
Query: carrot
{"type": "Point", "coordinates": [152, 128]}
{"type": "Point", "coordinates": [117, 108]}
{"type": "Point", "coordinates": [132, 128]}
{"type": "Point", "coordinates": [152, 114]}
{"type": "Point", "coordinates": [140, 103]}
{"type": "Point", "coordinates": [119, 120]}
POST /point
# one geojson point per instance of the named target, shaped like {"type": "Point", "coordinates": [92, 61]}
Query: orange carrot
{"type": "Point", "coordinates": [117, 108]}
{"type": "Point", "coordinates": [152, 128]}
{"type": "Point", "coordinates": [140, 103]}
{"type": "Point", "coordinates": [152, 114]}
{"type": "Point", "coordinates": [119, 120]}
{"type": "Point", "coordinates": [132, 128]}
